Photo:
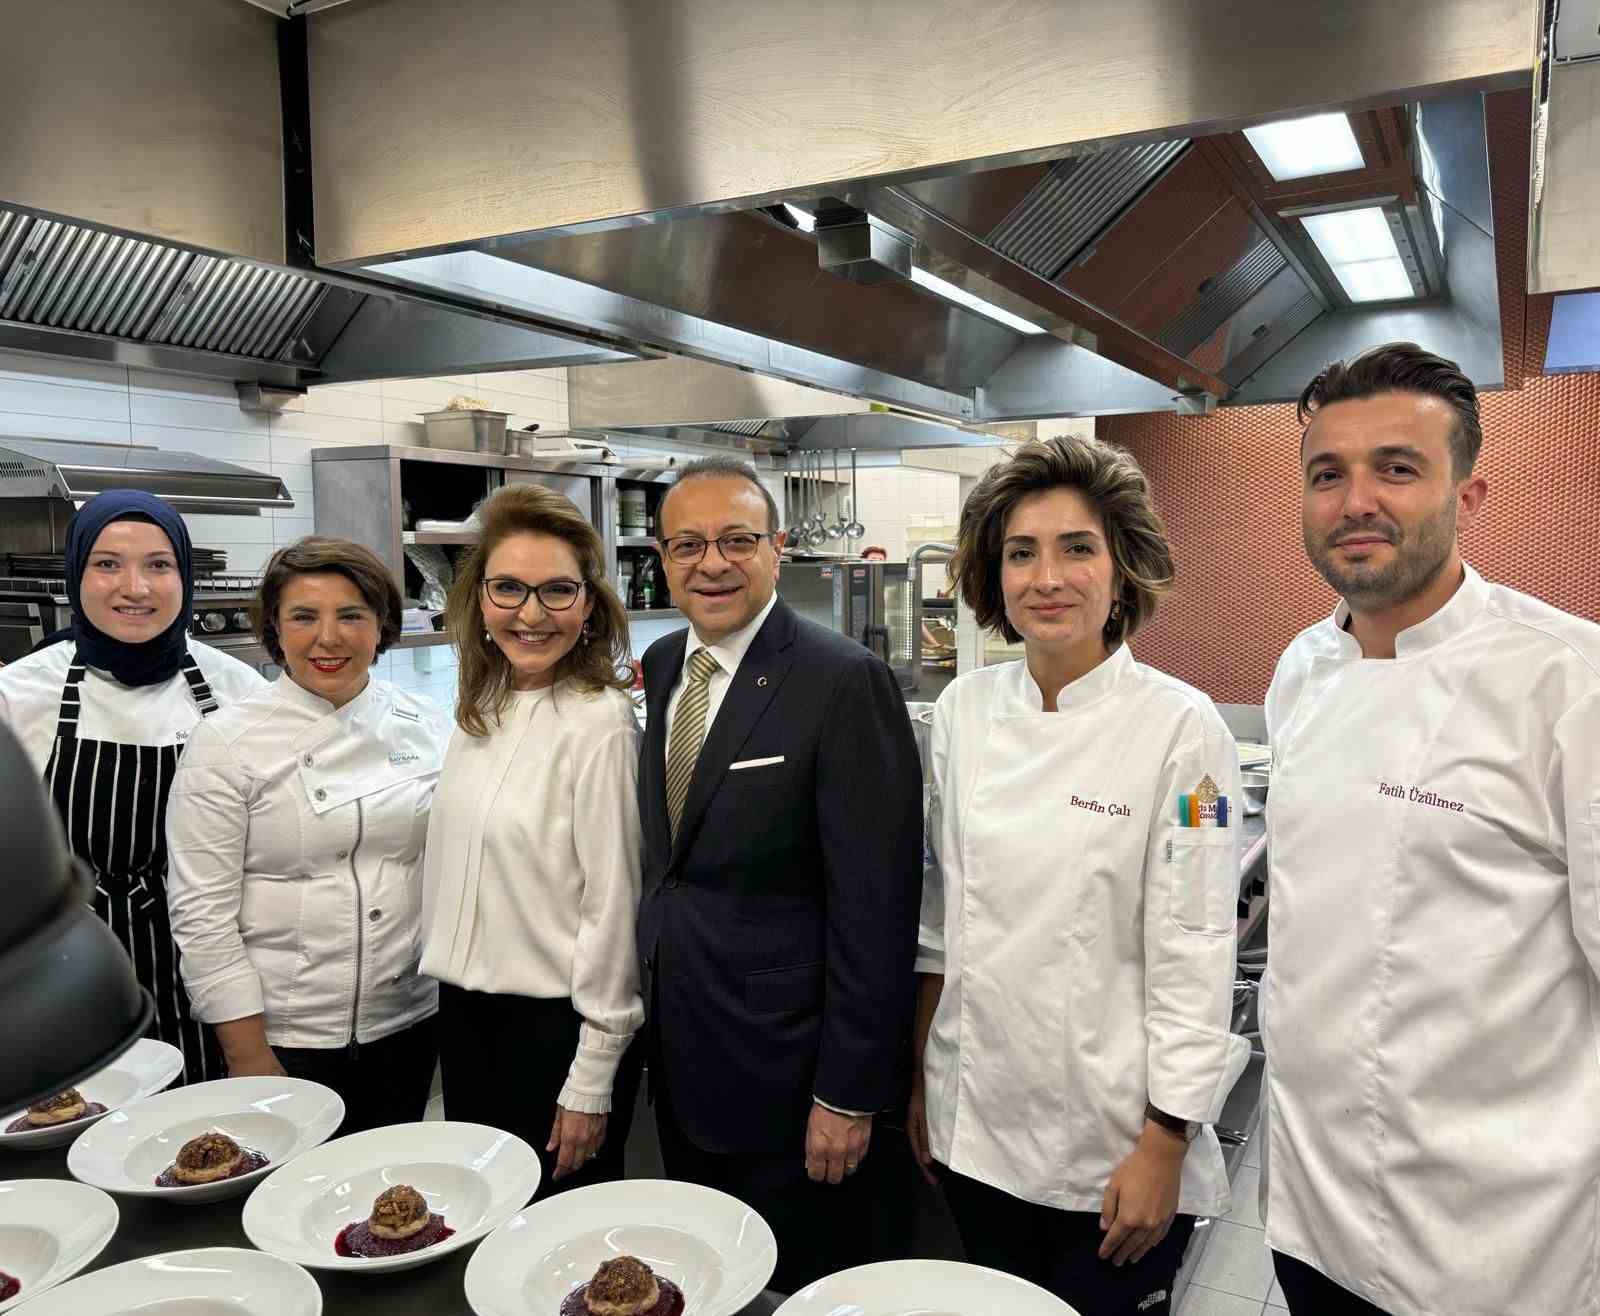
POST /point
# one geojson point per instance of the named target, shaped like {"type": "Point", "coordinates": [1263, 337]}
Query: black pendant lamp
{"type": "Point", "coordinates": [69, 1002]}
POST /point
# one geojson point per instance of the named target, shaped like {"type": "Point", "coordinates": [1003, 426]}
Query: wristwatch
{"type": "Point", "coordinates": [1188, 1130]}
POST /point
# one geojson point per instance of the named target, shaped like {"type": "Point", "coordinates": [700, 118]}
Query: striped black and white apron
{"type": "Point", "coordinates": [113, 799]}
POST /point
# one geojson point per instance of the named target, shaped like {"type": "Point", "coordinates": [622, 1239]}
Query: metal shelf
{"type": "Point", "coordinates": [421, 639]}
{"type": "Point", "coordinates": [437, 537]}
{"type": "Point", "coordinates": [655, 614]}
{"type": "Point", "coordinates": [636, 541]}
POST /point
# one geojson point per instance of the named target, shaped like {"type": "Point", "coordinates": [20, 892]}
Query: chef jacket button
{"type": "Point", "coordinates": [307, 760]}
{"type": "Point", "coordinates": [321, 794]}
{"type": "Point", "coordinates": [344, 854]}
{"type": "Point", "coordinates": [396, 979]}
{"type": "Point", "coordinates": [375, 915]}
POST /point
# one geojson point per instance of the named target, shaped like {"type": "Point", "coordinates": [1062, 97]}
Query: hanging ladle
{"type": "Point", "coordinates": [853, 528]}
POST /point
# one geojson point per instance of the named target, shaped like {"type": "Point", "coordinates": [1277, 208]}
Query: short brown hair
{"type": "Point", "coordinates": [1403, 368]}
{"type": "Point", "coordinates": [317, 555]}
{"type": "Point", "coordinates": [483, 676]}
{"type": "Point", "coordinates": [1112, 482]}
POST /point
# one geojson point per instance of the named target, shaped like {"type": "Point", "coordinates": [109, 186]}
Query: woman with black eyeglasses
{"type": "Point", "coordinates": [531, 885]}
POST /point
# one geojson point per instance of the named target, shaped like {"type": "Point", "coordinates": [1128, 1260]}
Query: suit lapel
{"type": "Point", "coordinates": [766, 663]}
{"type": "Point", "coordinates": [658, 694]}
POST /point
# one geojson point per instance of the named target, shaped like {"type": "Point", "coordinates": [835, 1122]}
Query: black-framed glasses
{"type": "Point", "coordinates": [740, 546]}
{"type": "Point", "coordinates": [554, 595]}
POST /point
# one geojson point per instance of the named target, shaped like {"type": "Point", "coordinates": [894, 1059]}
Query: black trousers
{"type": "Point", "coordinates": [820, 1228]}
{"type": "Point", "coordinates": [505, 1059]}
{"type": "Point", "coordinates": [1058, 1250]}
{"type": "Point", "coordinates": [382, 1082]}
{"type": "Point", "coordinates": [1311, 1293]}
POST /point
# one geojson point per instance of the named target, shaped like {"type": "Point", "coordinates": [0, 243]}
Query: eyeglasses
{"type": "Point", "coordinates": [554, 595]}
{"type": "Point", "coordinates": [738, 547]}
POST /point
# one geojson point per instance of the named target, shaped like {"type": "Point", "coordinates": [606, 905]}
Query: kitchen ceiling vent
{"type": "Point", "coordinates": [1222, 298]}
{"type": "Point", "coordinates": [63, 276]}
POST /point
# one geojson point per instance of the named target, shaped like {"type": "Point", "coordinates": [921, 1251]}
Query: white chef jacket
{"type": "Point", "coordinates": [295, 834]}
{"type": "Point", "coordinates": [534, 869]}
{"type": "Point", "coordinates": [1086, 939]}
{"type": "Point", "coordinates": [1431, 1006]}
{"type": "Point", "coordinates": [160, 714]}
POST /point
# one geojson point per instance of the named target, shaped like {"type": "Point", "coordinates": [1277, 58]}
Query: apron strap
{"type": "Point", "coordinates": [71, 702]}
{"type": "Point", "coordinates": [198, 686]}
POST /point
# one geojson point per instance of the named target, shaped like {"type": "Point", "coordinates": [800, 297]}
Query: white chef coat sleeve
{"type": "Point", "coordinates": [605, 961]}
{"type": "Point", "coordinates": [208, 819]}
{"type": "Point", "coordinates": [1574, 794]}
{"type": "Point", "coordinates": [1190, 932]}
{"type": "Point", "coordinates": [930, 926]}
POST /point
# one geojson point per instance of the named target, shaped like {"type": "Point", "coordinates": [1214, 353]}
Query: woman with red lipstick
{"type": "Point", "coordinates": [533, 871]}
{"type": "Point", "coordinates": [104, 713]}
{"type": "Point", "coordinates": [1077, 944]}
{"type": "Point", "coordinates": [296, 830]}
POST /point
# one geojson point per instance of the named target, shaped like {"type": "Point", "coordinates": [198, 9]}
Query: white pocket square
{"type": "Point", "coordinates": [755, 763]}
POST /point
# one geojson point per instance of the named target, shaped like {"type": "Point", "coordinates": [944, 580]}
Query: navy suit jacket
{"type": "Point", "coordinates": [778, 935]}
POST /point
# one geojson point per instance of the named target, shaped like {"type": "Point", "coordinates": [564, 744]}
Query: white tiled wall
{"type": "Point", "coordinates": [900, 502]}
{"type": "Point", "coordinates": [42, 397]}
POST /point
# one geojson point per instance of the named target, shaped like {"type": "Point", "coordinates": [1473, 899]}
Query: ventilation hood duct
{"type": "Point", "coordinates": [74, 472]}
{"type": "Point", "coordinates": [156, 217]}
{"type": "Point", "coordinates": [998, 148]}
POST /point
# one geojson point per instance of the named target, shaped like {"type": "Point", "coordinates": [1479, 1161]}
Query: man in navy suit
{"type": "Point", "coordinates": [781, 797]}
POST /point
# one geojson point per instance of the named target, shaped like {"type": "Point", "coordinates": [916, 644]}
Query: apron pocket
{"type": "Point", "coordinates": [1204, 880]}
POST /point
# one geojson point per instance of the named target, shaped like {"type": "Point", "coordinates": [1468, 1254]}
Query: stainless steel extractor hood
{"type": "Point", "coordinates": [1126, 250]}
{"type": "Point", "coordinates": [74, 472]}
{"type": "Point", "coordinates": [155, 215]}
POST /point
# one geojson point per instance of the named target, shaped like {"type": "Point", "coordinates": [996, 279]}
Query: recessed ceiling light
{"type": "Point", "coordinates": [1304, 148]}
{"type": "Point", "coordinates": [950, 292]}
{"type": "Point", "coordinates": [1361, 251]}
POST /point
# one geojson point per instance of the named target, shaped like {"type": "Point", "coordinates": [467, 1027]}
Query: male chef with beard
{"type": "Point", "coordinates": [1431, 1008]}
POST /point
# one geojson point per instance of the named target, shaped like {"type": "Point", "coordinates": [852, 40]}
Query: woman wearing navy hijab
{"type": "Point", "coordinates": [104, 714]}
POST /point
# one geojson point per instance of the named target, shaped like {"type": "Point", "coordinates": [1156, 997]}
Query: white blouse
{"type": "Point", "coordinates": [533, 871]}
{"type": "Point", "coordinates": [161, 714]}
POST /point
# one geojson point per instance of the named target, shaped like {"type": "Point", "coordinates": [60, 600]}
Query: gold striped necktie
{"type": "Point", "coordinates": [688, 732]}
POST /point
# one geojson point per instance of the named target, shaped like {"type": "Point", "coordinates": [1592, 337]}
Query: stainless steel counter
{"type": "Point", "coordinates": [150, 1227]}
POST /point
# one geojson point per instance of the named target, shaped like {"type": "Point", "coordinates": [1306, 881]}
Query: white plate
{"type": "Point", "coordinates": [50, 1229]}
{"type": "Point", "coordinates": [923, 1288]}
{"type": "Point", "coordinates": [474, 1176]}
{"type": "Point", "coordinates": [280, 1117]}
{"type": "Point", "coordinates": [207, 1281]}
{"type": "Point", "coordinates": [712, 1246]}
{"type": "Point", "coordinates": [141, 1071]}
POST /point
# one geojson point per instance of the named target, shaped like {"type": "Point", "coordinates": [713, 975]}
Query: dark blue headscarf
{"type": "Point", "coordinates": [155, 660]}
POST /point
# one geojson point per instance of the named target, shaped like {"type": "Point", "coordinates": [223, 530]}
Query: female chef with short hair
{"type": "Point", "coordinates": [104, 714]}
{"type": "Point", "coordinates": [1078, 932]}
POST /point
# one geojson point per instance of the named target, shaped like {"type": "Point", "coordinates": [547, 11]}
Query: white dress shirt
{"type": "Point", "coordinates": [1431, 1009]}
{"type": "Point", "coordinates": [295, 833]}
{"type": "Point", "coordinates": [729, 653]}
{"type": "Point", "coordinates": [534, 870]}
{"type": "Point", "coordinates": [160, 714]}
{"type": "Point", "coordinates": [1086, 938]}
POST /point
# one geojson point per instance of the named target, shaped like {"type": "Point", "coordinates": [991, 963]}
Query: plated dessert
{"type": "Point", "coordinates": [624, 1286]}
{"type": "Point", "coordinates": [62, 1108]}
{"type": "Point", "coordinates": [207, 1159]}
{"type": "Point", "coordinates": [10, 1286]}
{"type": "Point", "coordinates": [400, 1222]}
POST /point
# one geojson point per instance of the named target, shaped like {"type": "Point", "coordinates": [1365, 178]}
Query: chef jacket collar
{"type": "Point", "coordinates": [298, 696]}
{"type": "Point", "coordinates": [1092, 685]}
{"type": "Point", "coordinates": [1458, 613]}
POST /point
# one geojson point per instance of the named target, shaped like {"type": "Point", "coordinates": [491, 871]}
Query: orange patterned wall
{"type": "Point", "coordinates": [1228, 485]}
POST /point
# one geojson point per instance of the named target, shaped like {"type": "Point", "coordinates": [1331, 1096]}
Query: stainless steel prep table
{"type": "Point", "coordinates": [149, 1227]}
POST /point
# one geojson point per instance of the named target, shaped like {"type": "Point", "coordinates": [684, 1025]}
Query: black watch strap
{"type": "Point", "coordinates": [1185, 1129]}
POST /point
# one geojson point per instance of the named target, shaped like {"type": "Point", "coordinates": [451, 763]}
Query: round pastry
{"type": "Point", "coordinates": [399, 1212]}
{"type": "Point", "coordinates": [206, 1159]}
{"type": "Point", "coordinates": [59, 1109]}
{"type": "Point", "coordinates": [623, 1286]}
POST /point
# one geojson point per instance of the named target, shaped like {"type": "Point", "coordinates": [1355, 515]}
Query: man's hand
{"type": "Point", "coordinates": [917, 1130]}
{"type": "Point", "coordinates": [576, 1138]}
{"type": "Point", "coordinates": [835, 1144]}
{"type": "Point", "coordinates": [1142, 1197]}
